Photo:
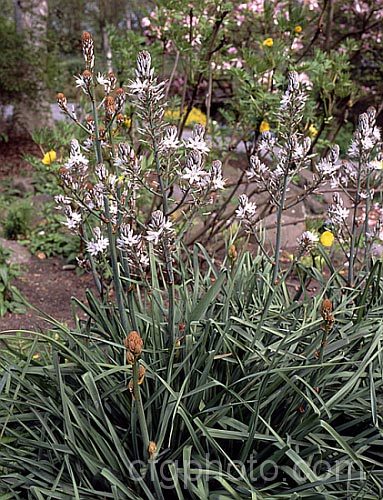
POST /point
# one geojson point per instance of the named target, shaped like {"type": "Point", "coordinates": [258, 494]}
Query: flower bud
{"type": "Point", "coordinates": [110, 107]}
{"type": "Point", "coordinates": [120, 98]}
{"type": "Point", "coordinates": [152, 449]}
{"type": "Point", "coordinates": [62, 101]}
{"type": "Point", "coordinates": [134, 344]}
{"type": "Point", "coordinates": [88, 50]}
{"type": "Point", "coordinates": [232, 252]}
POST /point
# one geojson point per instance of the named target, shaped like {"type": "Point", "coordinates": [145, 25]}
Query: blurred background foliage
{"type": "Point", "coordinates": [227, 59]}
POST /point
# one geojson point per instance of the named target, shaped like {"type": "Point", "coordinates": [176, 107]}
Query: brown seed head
{"type": "Point", "coordinates": [60, 97]}
{"type": "Point", "coordinates": [86, 36]}
{"type": "Point", "coordinates": [61, 100]}
{"type": "Point", "coordinates": [326, 307]}
{"type": "Point", "coordinates": [232, 252]}
{"type": "Point", "coordinates": [88, 49]}
{"type": "Point", "coordinates": [109, 101]}
{"type": "Point", "coordinates": [152, 449]}
{"type": "Point", "coordinates": [101, 132]}
{"type": "Point", "coordinates": [134, 343]}
{"type": "Point", "coordinates": [120, 118]}
{"type": "Point", "coordinates": [109, 106]}
{"type": "Point", "coordinates": [327, 315]}
{"type": "Point", "coordinates": [130, 359]}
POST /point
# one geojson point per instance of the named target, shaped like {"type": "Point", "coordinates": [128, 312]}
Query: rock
{"type": "Point", "coordinates": [19, 254]}
{"type": "Point", "coordinates": [315, 206]}
{"type": "Point", "coordinates": [292, 228]}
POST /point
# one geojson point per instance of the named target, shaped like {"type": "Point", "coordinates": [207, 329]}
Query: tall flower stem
{"type": "Point", "coordinates": [124, 260]}
{"type": "Point", "coordinates": [111, 235]}
{"type": "Point", "coordinates": [278, 239]}
{"type": "Point", "coordinates": [144, 430]}
{"type": "Point", "coordinates": [354, 229]}
{"type": "Point", "coordinates": [140, 408]}
{"type": "Point", "coordinates": [166, 248]}
{"type": "Point", "coordinates": [367, 246]}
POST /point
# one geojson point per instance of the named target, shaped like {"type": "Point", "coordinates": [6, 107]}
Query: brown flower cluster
{"type": "Point", "coordinates": [134, 345]}
{"type": "Point", "coordinates": [327, 314]}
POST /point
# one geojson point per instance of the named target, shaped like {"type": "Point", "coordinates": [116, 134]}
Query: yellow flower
{"type": "Point", "coordinates": [313, 131]}
{"type": "Point", "coordinates": [127, 122]}
{"type": "Point", "coordinates": [49, 157]}
{"type": "Point", "coordinates": [269, 42]}
{"type": "Point", "coordinates": [327, 239]}
{"type": "Point", "coordinates": [298, 29]}
{"type": "Point", "coordinates": [195, 116]}
{"type": "Point", "coordinates": [172, 114]}
{"type": "Point", "coordinates": [264, 126]}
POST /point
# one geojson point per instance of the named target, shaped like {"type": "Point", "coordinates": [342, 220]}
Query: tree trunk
{"type": "Point", "coordinates": [33, 111]}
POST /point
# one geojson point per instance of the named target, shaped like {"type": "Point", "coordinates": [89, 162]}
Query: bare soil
{"type": "Point", "coordinates": [44, 283]}
{"type": "Point", "coordinates": [12, 152]}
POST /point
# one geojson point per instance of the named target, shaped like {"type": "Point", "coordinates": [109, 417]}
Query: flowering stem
{"type": "Point", "coordinates": [124, 261]}
{"type": "Point", "coordinates": [144, 430]}
{"type": "Point", "coordinates": [353, 232]}
{"type": "Point", "coordinates": [367, 248]}
{"type": "Point", "coordinates": [166, 249]}
{"type": "Point", "coordinates": [279, 229]}
{"type": "Point", "coordinates": [140, 409]}
{"type": "Point", "coordinates": [111, 236]}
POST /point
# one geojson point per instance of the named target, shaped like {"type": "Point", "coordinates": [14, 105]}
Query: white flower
{"type": "Point", "coordinates": [196, 141]}
{"type": "Point", "coordinates": [293, 100]}
{"type": "Point", "coordinates": [73, 219]}
{"type": "Point", "coordinates": [108, 82]}
{"type": "Point", "coordinates": [267, 142]}
{"type": "Point", "coordinates": [83, 81]}
{"type": "Point", "coordinates": [138, 86]}
{"type": "Point", "coordinates": [307, 241]}
{"type": "Point", "coordinates": [193, 173]}
{"type": "Point", "coordinates": [127, 238]}
{"type": "Point", "coordinates": [101, 172]}
{"type": "Point", "coordinates": [158, 227]}
{"type": "Point", "coordinates": [337, 212]}
{"type": "Point", "coordinates": [216, 179]}
{"type": "Point", "coordinates": [258, 170]}
{"type": "Point", "coordinates": [246, 209]}
{"type": "Point", "coordinates": [170, 139]}
{"type": "Point", "coordinates": [76, 158]}
{"type": "Point", "coordinates": [98, 245]}
{"type": "Point", "coordinates": [327, 166]}
{"type": "Point", "coordinates": [60, 199]}
{"type": "Point", "coordinates": [144, 62]}
{"type": "Point", "coordinates": [101, 79]}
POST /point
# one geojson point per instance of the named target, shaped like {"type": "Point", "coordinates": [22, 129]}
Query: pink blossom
{"type": "Point", "coordinates": [145, 22]}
